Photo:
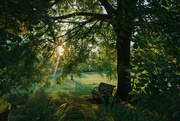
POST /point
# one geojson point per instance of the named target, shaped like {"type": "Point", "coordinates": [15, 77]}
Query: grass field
{"type": "Point", "coordinates": [77, 89]}
{"type": "Point", "coordinates": [79, 86]}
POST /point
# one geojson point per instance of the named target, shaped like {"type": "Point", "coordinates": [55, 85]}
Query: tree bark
{"type": "Point", "coordinates": [123, 33]}
{"type": "Point", "coordinates": [123, 25]}
{"type": "Point", "coordinates": [123, 61]}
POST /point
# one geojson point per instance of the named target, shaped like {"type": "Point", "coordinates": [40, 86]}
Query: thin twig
{"type": "Point", "coordinates": [79, 26]}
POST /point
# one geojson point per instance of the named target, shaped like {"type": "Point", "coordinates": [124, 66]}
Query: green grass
{"type": "Point", "coordinates": [77, 88]}
{"type": "Point", "coordinates": [83, 85]}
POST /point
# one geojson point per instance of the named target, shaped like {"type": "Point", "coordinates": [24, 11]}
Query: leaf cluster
{"type": "Point", "coordinates": [21, 48]}
{"type": "Point", "coordinates": [155, 64]}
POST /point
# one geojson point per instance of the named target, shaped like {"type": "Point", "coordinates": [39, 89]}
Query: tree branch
{"type": "Point", "coordinates": [119, 2]}
{"type": "Point", "coordinates": [110, 10]}
{"type": "Point", "coordinates": [69, 22]}
{"type": "Point", "coordinates": [80, 26]}
{"type": "Point", "coordinates": [94, 15]}
{"type": "Point", "coordinates": [12, 84]}
{"type": "Point", "coordinates": [89, 30]}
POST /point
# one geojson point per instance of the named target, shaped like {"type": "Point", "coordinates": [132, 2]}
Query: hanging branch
{"type": "Point", "coordinates": [75, 22]}
{"type": "Point", "coordinates": [89, 30]}
{"type": "Point", "coordinates": [94, 15]}
{"type": "Point", "coordinates": [12, 84]}
{"type": "Point", "coordinates": [73, 29]}
{"type": "Point", "coordinates": [79, 26]}
{"type": "Point", "coordinates": [48, 58]}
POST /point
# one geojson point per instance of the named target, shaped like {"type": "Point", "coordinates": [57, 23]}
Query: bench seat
{"type": "Point", "coordinates": [104, 89]}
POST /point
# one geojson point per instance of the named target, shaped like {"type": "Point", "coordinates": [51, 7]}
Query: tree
{"type": "Point", "coordinates": [20, 47]}
{"type": "Point", "coordinates": [81, 26]}
{"type": "Point", "coordinates": [116, 27]}
{"type": "Point", "coordinates": [111, 29]}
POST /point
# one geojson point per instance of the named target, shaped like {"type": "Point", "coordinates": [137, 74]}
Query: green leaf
{"type": "Point", "coordinates": [163, 93]}
{"type": "Point", "coordinates": [4, 107]}
{"type": "Point", "coordinates": [38, 28]}
{"type": "Point", "coordinates": [134, 98]}
{"type": "Point", "coordinates": [69, 109]}
{"type": "Point", "coordinates": [176, 114]}
{"type": "Point", "coordinates": [41, 40]}
{"type": "Point", "coordinates": [32, 118]}
{"type": "Point", "coordinates": [88, 104]}
{"type": "Point", "coordinates": [20, 110]}
{"type": "Point", "coordinates": [38, 35]}
{"type": "Point", "coordinates": [33, 111]}
{"type": "Point", "coordinates": [110, 100]}
{"type": "Point", "coordinates": [108, 108]}
{"type": "Point", "coordinates": [33, 102]}
{"type": "Point", "coordinates": [110, 118]}
{"type": "Point", "coordinates": [102, 98]}
{"type": "Point", "coordinates": [103, 109]}
{"type": "Point", "coordinates": [132, 77]}
{"type": "Point", "coordinates": [62, 117]}
{"type": "Point", "coordinates": [146, 56]}
{"type": "Point", "coordinates": [163, 87]}
{"type": "Point", "coordinates": [1, 101]}
{"type": "Point", "coordinates": [127, 115]}
{"type": "Point", "coordinates": [74, 116]}
{"type": "Point", "coordinates": [152, 41]}
{"type": "Point", "coordinates": [51, 34]}
{"type": "Point", "coordinates": [147, 63]}
{"type": "Point", "coordinates": [63, 105]}
{"type": "Point", "coordinates": [175, 107]}
{"type": "Point", "coordinates": [133, 93]}
{"type": "Point", "coordinates": [19, 118]}
{"type": "Point", "coordinates": [93, 115]}
{"type": "Point", "coordinates": [49, 113]}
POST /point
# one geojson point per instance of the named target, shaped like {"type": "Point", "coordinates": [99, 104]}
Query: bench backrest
{"type": "Point", "coordinates": [106, 89]}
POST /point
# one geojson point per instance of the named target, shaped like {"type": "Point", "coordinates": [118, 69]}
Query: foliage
{"type": "Point", "coordinates": [156, 82]}
{"type": "Point", "coordinates": [39, 107]}
{"type": "Point", "coordinates": [111, 111]}
{"type": "Point", "coordinates": [30, 35]}
{"type": "Point", "coordinates": [155, 63]}
{"type": "Point", "coordinates": [4, 106]}
{"type": "Point", "coordinates": [81, 34]}
{"type": "Point", "coordinates": [31, 31]}
{"type": "Point", "coordinates": [23, 53]}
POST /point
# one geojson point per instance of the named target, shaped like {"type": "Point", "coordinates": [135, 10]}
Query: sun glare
{"type": "Point", "coordinates": [60, 49]}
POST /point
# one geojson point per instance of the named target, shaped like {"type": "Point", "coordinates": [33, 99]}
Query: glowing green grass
{"type": "Point", "coordinates": [77, 87]}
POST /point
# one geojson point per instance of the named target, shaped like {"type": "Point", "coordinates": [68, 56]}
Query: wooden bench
{"type": "Point", "coordinates": [104, 89]}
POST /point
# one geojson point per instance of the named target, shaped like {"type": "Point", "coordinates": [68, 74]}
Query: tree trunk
{"type": "Point", "coordinates": [71, 76]}
{"type": "Point", "coordinates": [123, 61]}
{"type": "Point", "coordinates": [122, 22]}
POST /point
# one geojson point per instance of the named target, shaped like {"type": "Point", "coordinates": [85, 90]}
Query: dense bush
{"type": "Point", "coordinates": [38, 106]}
{"type": "Point", "coordinates": [156, 81]}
